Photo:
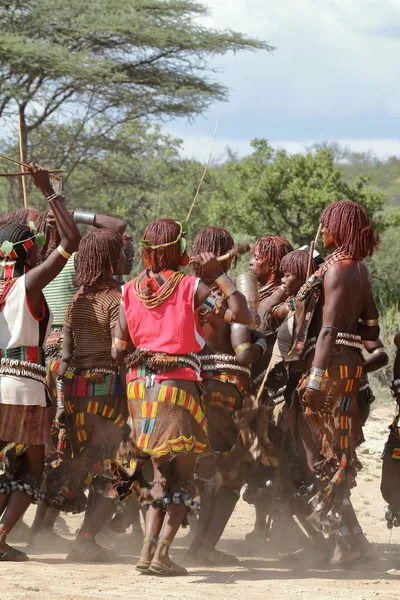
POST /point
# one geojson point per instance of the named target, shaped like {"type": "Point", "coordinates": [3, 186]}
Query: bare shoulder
{"type": "Point", "coordinates": [345, 269]}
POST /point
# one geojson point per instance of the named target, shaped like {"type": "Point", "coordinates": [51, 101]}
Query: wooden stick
{"type": "Point", "coordinates": [21, 156]}
{"type": "Point", "coordinates": [17, 162]}
{"type": "Point", "coordinates": [205, 170]}
{"type": "Point", "coordinates": [310, 259]}
{"type": "Point", "coordinates": [318, 234]}
{"type": "Point", "coordinates": [21, 173]}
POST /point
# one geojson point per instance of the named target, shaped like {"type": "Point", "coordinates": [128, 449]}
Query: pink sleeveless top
{"type": "Point", "coordinates": [172, 327]}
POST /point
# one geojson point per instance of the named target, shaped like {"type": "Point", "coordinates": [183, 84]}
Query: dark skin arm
{"type": "Point", "coordinates": [370, 312]}
{"type": "Point", "coordinates": [242, 339]}
{"type": "Point", "coordinates": [105, 222]}
{"type": "Point", "coordinates": [40, 276]}
{"type": "Point", "coordinates": [338, 282]}
{"type": "Point", "coordinates": [277, 297]}
{"type": "Point", "coordinates": [377, 358]}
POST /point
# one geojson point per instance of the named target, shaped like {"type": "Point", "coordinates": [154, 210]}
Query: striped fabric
{"type": "Point", "coordinates": [91, 316]}
{"type": "Point", "coordinates": [26, 425]}
{"type": "Point", "coordinates": [60, 291]}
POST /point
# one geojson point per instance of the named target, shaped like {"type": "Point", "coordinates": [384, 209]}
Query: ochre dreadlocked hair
{"type": "Point", "coordinates": [296, 262]}
{"type": "Point", "coordinates": [98, 256]}
{"type": "Point", "coordinates": [161, 231]}
{"type": "Point", "coordinates": [351, 227]}
{"type": "Point", "coordinates": [210, 239]}
{"type": "Point", "coordinates": [21, 216]}
{"type": "Point", "coordinates": [53, 238]}
{"type": "Point", "coordinates": [272, 249]}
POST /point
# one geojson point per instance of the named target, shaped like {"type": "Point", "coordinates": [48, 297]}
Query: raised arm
{"type": "Point", "coordinates": [100, 221]}
{"type": "Point", "coordinates": [40, 276]}
{"type": "Point", "coordinates": [237, 303]}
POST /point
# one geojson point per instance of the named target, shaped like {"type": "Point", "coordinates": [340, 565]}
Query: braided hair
{"type": "Point", "coordinates": [296, 262]}
{"type": "Point", "coordinates": [21, 216]}
{"type": "Point", "coordinates": [51, 234]}
{"type": "Point", "coordinates": [98, 257]}
{"type": "Point", "coordinates": [210, 239]}
{"type": "Point", "coordinates": [348, 222]}
{"type": "Point", "coordinates": [162, 231]}
{"type": "Point", "coordinates": [272, 249]}
{"type": "Point", "coordinates": [17, 233]}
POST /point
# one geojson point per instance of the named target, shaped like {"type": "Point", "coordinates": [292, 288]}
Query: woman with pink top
{"type": "Point", "coordinates": [159, 316]}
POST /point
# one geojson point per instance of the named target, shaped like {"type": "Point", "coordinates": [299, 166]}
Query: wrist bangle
{"type": "Point", "coordinates": [313, 384]}
{"type": "Point", "coordinates": [316, 372]}
{"type": "Point", "coordinates": [60, 393]}
{"type": "Point", "coordinates": [63, 252]}
{"type": "Point", "coordinates": [84, 218]}
{"type": "Point", "coordinates": [52, 197]}
{"type": "Point", "coordinates": [263, 345]}
{"type": "Point", "coordinates": [226, 286]}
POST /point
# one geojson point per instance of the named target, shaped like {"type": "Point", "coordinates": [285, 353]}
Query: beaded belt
{"type": "Point", "coordinates": [222, 362]}
{"type": "Point", "coordinates": [160, 362]}
{"type": "Point", "coordinates": [350, 340]}
{"type": "Point", "coordinates": [23, 361]}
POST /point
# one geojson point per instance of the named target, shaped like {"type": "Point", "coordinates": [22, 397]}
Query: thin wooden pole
{"type": "Point", "coordinates": [22, 159]}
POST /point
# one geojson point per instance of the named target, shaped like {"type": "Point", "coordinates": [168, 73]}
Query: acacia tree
{"type": "Point", "coordinates": [119, 60]}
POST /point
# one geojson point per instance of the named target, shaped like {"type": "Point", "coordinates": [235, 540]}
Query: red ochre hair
{"type": "Point", "coordinates": [348, 222]}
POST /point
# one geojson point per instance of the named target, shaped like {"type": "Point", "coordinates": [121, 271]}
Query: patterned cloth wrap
{"type": "Point", "coordinates": [168, 420]}
{"type": "Point", "coordinates": [95, 413]}
{"type": "Point", "coordinates": [334, 430]}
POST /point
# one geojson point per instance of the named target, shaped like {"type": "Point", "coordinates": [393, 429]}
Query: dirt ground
{"type": "Point", "coordinates": [260, 574]}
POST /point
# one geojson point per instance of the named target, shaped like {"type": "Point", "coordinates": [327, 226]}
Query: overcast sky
{"type": "Point", "coordinates": [334, 76]}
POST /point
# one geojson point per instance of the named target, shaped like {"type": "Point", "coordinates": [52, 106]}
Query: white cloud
{"type": "Point", "coordinates": [334, 72]}
{"type": "Point", "coordinates": [198, 146]}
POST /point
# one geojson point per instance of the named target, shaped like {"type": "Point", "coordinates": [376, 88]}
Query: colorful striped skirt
{"type": "Point", "coordinates": [168, 418]}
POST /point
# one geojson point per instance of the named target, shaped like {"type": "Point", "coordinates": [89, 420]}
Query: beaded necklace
{"type": "Point", "coordinates": [153, 291]}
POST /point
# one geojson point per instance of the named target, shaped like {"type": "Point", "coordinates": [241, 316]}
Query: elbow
{"type": "Point", "coordinates": [244, 317]}
{"type": "Point", "coordinates": [118, 356]}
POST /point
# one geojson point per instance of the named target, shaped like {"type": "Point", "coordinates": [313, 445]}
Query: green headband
{"type": "Point", "coordinates": [7, 248]}
{"type": "Point", "coordinates": [183, 231]}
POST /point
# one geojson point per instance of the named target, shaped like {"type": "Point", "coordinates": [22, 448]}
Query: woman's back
{"type": "Point", "coordinates": [91, 316]}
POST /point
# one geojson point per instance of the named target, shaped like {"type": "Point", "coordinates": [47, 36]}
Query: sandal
{"type": "Point", "coordinates": [172, 570]}
{"type": "Point", "coordinates": [13, 555]}
{"type": "Point", "coordinates": [143, 566]}
{"type": "Point", "coordinates": [88, 551]}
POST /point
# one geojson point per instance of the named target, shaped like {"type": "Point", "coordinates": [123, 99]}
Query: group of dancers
{"type": "Point", "coordinates": [179, 389]}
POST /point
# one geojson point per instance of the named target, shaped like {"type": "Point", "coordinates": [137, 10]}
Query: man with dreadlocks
{"type": "Point", "coordinates": [335, 310]}
{"type": "Point", "coordinates": [94, 399]}
{"type": "Point", "coordinates": [227, 383]}
{"type": "Point", "coordinates": [159, 316]}
{"type": "Point", "coordinates": [24, 323]}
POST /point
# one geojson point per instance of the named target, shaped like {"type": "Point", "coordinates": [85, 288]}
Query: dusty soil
{"type": "Point", "coordinates": [260, 575]}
